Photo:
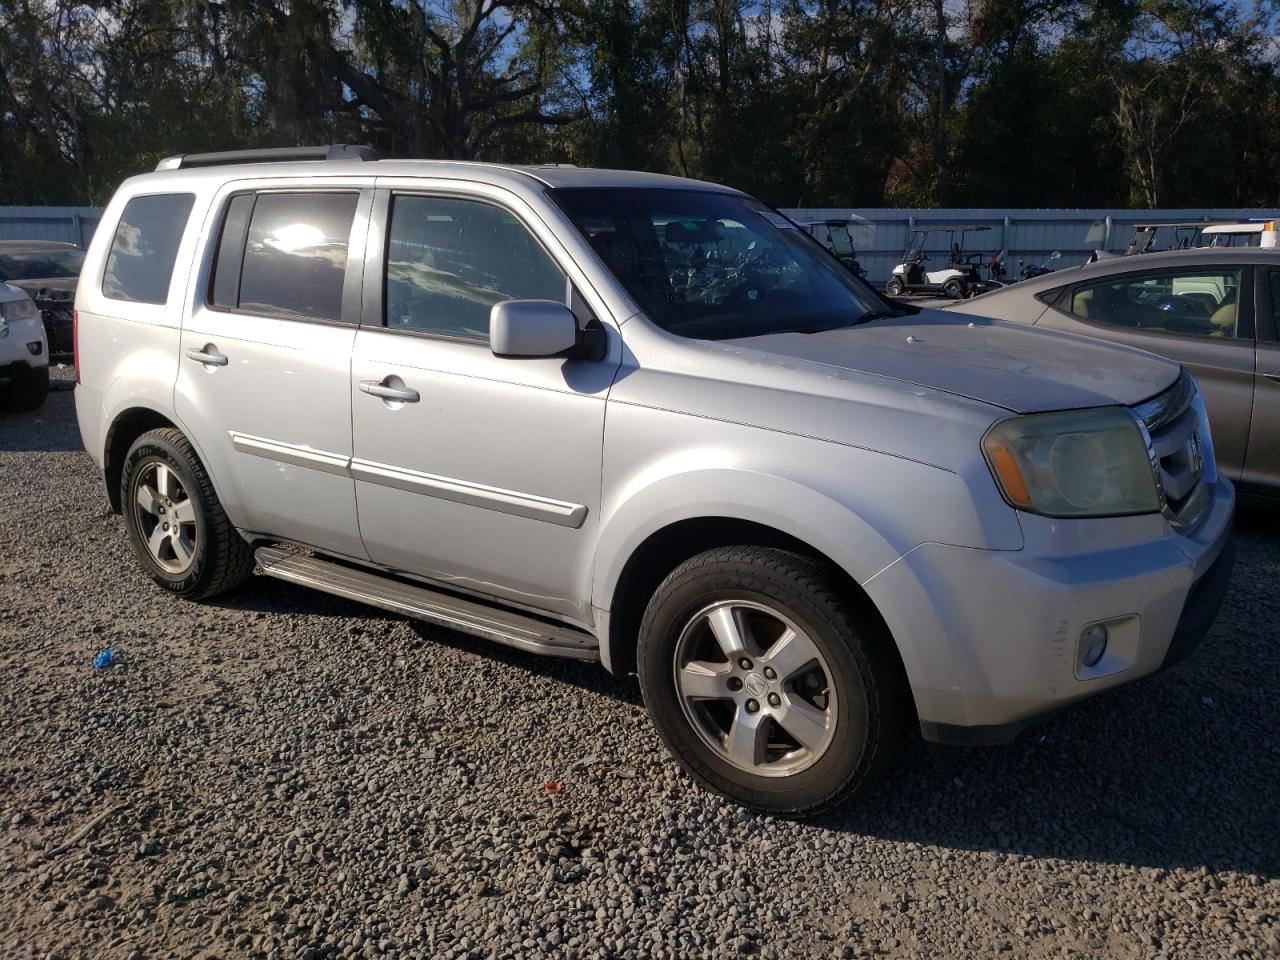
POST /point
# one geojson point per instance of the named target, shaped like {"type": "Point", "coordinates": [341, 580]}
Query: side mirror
{"type": "Point", "coordinates": [532, 328]}
{"type": "Point", "coordinates": [1056, 255]}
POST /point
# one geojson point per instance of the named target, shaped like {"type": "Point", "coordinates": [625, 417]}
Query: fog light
{"type": "Point", "coordinates": [34, 348]}
{"type": "Point", "coordinates": [1093, 644]}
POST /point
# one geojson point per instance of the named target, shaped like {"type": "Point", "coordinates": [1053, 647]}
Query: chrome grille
{"type": "Point", "coordinates": [1177, 440]}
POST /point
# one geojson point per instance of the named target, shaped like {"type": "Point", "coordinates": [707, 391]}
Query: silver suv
{"type": "Point", "coordinates": [615, 416]}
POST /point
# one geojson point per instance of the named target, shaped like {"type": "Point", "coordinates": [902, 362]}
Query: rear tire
{"type": "Point", "coordinates": [894, 287]}
{"type": "Point", "coordinates": [29, 394]}
{"type": "Point", "coordinates": [180, 534]}
{"type": "Point", "coordinates": [810, 708]}
{"type": "Point", "coordinates": [954, 289]}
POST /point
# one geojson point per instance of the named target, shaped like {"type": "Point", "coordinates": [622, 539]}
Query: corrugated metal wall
{"type": "Point", "coordinates": [880, 235]}
{"type": "Point", "coordinates": [68, 224]}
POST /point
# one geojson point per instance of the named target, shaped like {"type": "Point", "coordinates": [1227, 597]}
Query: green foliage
{"type": "Point", "coordinates": [803, 102]}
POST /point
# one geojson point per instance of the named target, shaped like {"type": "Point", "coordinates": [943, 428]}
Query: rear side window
{"type": "Point", "coordinates": [140, 264]}
{"type": "Point", "coordinates": [1202, 303]}
{"type": "Point", "coordinates": [284, 254]}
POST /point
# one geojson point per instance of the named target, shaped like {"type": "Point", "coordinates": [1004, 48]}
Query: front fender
{"type": "Point", "coordinates": [860, 508]}
{"type": "Point", "coordinates": [811, 517]}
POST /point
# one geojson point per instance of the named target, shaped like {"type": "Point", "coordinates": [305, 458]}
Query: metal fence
{"type": "Point", "coordinates": [68, 224]}
{"type": "Point", "coordinates": [880, 235]}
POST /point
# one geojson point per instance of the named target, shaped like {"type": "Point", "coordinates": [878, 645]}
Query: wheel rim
{"type": "Point", "coordinates": [165, 516]}
{"type": "Point", "coordinates": [755, 688]}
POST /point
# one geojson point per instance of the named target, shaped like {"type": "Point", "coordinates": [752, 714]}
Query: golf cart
{"type": "Point", "coordinates": [1186, 235]}
{"type": "Point", "coordinates": [1248, 233]}
{"type": "Point", "coordinates": [836, 237]}
{"type": "Point", "coordinates": [958, 279]}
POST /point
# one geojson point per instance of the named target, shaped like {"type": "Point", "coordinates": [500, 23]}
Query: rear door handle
{"type": "Point", "coordinates": [379, 388]}
{"type": "Point", "coordinates": [208, 354]}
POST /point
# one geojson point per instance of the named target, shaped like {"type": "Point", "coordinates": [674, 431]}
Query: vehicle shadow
{"type": "Point", "coordinates": [269, 595]}
{"type": "Point", "coordinates": [1175, 771]}
{"type": "Point", "coordinates": [50, 429]}
{"type": "Point", "coordinates": [1179, 770]}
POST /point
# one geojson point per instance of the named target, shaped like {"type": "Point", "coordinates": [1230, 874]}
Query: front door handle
{"type": "Point", "coordinates": [1273, 377]}
{"type": "Point", "coordinates": [389, 390]}
{"type": "Point", "coordinates": [209, 355]}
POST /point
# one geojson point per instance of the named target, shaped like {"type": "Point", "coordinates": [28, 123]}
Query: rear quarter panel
{"type": "Point", "coordinates": [128, 351]}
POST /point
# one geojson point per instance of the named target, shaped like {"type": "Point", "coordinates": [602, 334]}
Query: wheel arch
{"type": "Point", "coordinates": [126, 427]}
{"type": "Point", "coordinates": [662, 525]}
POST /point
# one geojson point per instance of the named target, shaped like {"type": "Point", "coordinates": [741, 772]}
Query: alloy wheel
{"type": "Point", "coordinates": [756, 688]}
{"type": "Point", "coordinates": [166, 517]}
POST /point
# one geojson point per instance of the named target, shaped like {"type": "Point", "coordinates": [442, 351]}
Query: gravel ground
{"type": "Point", "coordinates": [283, 773]}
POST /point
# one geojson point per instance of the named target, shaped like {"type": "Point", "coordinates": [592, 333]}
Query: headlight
{"type": "Point", "coordinates": [14, 310]}
{"type": "Point", "coordinates": [1081, 463]}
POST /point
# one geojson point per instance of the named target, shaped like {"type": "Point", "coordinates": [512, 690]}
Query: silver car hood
{"type": "Point", "coordinates": [1022, 369]}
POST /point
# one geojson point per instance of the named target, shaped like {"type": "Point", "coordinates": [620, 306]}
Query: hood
{"type": "Point", "coordinates": [58, 288]}
{"type": "Point", "coordinates": [1020, 368]}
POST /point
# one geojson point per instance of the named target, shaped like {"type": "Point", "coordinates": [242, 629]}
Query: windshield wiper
{"type": "Point", "coordinates": [866, 317]}
{"type": "Point", "coordinates": [874, 315]}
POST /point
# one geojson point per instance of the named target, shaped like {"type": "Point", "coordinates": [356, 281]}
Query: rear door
{"type": "Point", "coordinates": [1262, 464]}
{"type": "Point", "coordinates": [1203, 317]}
{"type": "Point", "coordinates": [264, 379]}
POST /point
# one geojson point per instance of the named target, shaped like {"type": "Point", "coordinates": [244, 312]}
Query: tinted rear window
{"type": "Point", "coordinates": [140, 264]}
{"type": "Point", "coordinates": [295, 255]}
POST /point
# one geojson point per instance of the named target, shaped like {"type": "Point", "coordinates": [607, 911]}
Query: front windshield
{"type": "Point", "coordinates": [715, 266]}
{"type": "Point", "coordinates": [40, 264]}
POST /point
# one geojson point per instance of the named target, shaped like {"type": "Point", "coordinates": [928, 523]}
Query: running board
{"type": "Point", "coordinates": [500, 625]}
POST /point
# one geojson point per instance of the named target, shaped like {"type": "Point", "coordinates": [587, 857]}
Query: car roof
{"type": "Point", "coordinates": [1197, 257]}
{"type": "Point", "coordinates": [519, 177]}
{"type": "Point", "coordinates": [35, 245]}
{"type": "Point", "coordinates": [1138, 263]}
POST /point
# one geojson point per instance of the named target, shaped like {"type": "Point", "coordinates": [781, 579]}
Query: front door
{"type": "Point", "coordinates": [1262, 464]}
{"type": "Point", "coordinates": [478, 472]}
{"type": "Point", "coordinates": [1202, 317]}
{"type": "Point", "coordinates": [264, 381]}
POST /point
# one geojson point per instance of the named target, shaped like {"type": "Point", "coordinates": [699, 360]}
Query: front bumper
{"type": "Point", "coordinates": [989, 638]}
{"type": "Point", "coordinates": [19, 373]}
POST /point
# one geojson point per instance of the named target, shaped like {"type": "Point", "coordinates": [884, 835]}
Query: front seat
{"type": "Point", "coordinates": [1223, 320]}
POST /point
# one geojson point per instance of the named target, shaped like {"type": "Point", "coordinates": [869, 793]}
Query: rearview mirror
{"type": "Point", "coordinates": [532, 328]}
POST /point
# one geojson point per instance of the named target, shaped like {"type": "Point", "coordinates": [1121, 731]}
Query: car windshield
{"type": "Point", "coordinates": [716, 266]}
{"type": "Point", "coordinates": [40, 264]}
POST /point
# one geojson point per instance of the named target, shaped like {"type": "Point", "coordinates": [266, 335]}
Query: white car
{"type": "Point", "coordinates": [24, 352]}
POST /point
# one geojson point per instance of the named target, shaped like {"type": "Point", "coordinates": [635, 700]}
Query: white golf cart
{"type": "Point", "coordinates": [957, 280]}
{"type": "Point", "coordinates": [1249, 233]}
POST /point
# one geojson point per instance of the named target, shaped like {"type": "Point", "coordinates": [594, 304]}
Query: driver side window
{"type": "Point", "coordinates": [1203, 303]}
{"type": "Point", "coordinates": [449, 260]}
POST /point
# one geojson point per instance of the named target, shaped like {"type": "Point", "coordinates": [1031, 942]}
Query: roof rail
{"type": "Point", "coordinates": [336, 151]}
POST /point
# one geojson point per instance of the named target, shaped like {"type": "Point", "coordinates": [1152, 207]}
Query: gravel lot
{"type": "Point", "coordinates": [284, 773]}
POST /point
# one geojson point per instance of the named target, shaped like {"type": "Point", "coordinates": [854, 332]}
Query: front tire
{"type": "Point", "coordinates": [894, 287]}
{"type": "Point", "coordinates": [180, 534]}
{"type": "Point", "coordinates": [29, 393]}
{"type": "Point", "coordinates": [765, 684]}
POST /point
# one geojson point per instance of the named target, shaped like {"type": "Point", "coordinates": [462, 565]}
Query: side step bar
{"type": "Point", "coordinates": [503, 626]}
